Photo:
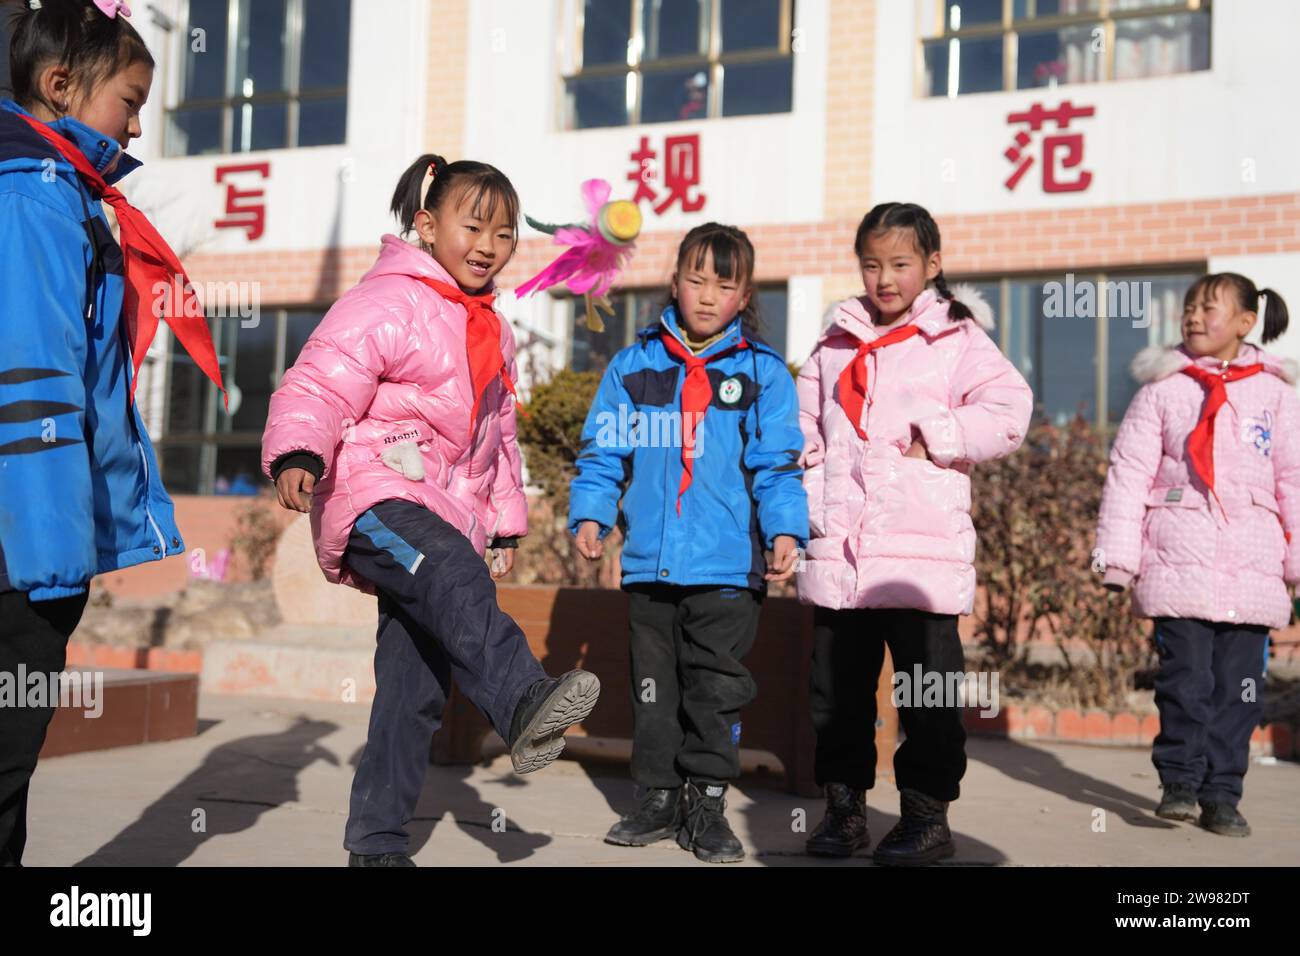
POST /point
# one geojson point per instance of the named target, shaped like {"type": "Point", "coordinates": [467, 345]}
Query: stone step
{"type": "Point", "coordinates": [120, 708]}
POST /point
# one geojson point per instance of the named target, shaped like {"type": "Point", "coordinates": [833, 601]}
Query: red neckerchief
{"type": "Point", "coordinates": [148, 263]}
{"type": "Point", "coordinates": [696, 395]}
{"type": "Point", "coordinates": [482, 340]}
{"type": "Point", "coordinates": [1200, 445]}
{"type": "Point", "coordinates": [852, 386]}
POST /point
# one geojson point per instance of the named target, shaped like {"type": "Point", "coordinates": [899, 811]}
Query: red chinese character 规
{"type": "Point", "coordinates": [1070, 143]}
{"type": "Point", "coordinates": [645, 160]}
{"type": "Point", "coordinates": [250, 216]}
{"type": "Point", "coordinates": [682, 173]}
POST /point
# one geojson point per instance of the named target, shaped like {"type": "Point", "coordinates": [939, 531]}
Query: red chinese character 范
{"type": "Point", "coordinates": [1070, 143]}
{"type": "Point", "coordinates": [250, 216]}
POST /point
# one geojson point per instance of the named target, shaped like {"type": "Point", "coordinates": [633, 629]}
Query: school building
{"type": "Point", "coordinates": [1085, 160]}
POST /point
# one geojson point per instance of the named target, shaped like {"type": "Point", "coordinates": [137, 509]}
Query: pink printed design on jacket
{"type": "Point", "coordinates": [1190, 557]}
{"type": "Point", "coordinates": [382, 393]}
{"type": "Point", "coordinates": [888, 530]}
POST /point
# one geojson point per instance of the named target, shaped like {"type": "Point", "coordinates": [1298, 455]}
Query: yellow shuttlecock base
{"type": "Point", "coordinates": [620, 221]}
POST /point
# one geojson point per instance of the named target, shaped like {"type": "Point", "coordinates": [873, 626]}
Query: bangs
{"type": "Point", "coordinates": [731, 258]}
{"type": "Point", "coordinates": [1209, 285]}
{"type": "Point", "coordinates": [486, 195]}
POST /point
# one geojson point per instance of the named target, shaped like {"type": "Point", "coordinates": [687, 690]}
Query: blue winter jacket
{"type": "Point", "coordinates": [79, 487]}
{"type": "Point", "coordinates": [747, 486]}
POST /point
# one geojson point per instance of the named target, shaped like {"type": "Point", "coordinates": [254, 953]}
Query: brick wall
{"type": "Point", "coordinates": [991, 243]}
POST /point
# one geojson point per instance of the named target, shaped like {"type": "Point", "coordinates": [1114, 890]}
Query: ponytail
{"type": "Point", "coordinates": [1275, 315]}
{"type": "Point", "coordinates": [482, 185]}
{"type": "Point", "coordinates": [410, 197]}
{"type": "Point", "coordinates": [956, 310]}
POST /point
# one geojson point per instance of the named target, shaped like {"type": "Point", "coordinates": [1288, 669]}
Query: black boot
{"type": "Point", "coordinates": [844, 828]}
{"type": "Point", "coordinates": [659, 817]}
{"type": "Point", "coordinates": [548, 708]}
{"type": "Point", "coordinates": [380, 859]}
{"type": "Point", "coordinates": [1178, 803]}
{"type": "Point", "coordinates": [921, 834]}
{"type": "Point", "coordinates": [706, 832]}
{"type": "Point", "coordinates": [1223, 819]}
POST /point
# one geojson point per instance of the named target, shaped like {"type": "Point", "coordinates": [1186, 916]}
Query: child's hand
{"type": "Point", "coordinates": [781, 559]}
{"type": "Point", "coordinates": [294, 488]}
{"type": "Point", "coordinates": [916, 450]}
{"type": "Point", "coordinates": [589, 544]}
{"type": "Point", "coordinates": [503, 562]}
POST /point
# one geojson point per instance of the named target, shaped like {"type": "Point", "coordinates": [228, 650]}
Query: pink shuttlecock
{"type": "Point", "coordinates": [597, 251]}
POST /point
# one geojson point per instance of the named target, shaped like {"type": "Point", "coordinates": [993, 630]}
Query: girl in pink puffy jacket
{"type": "Point", "coordinates": [904, 391]}
{"type": "Point", "coordinates": [1201, 511]}
{"type": "Point", "coordinates": [396, 429]}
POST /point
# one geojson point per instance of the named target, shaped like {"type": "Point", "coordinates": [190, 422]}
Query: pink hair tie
{"type": "Point", "coordinates": [111, 8]}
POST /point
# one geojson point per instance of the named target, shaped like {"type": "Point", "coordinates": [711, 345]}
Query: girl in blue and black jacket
{"type": "Point", "coordinates": [696, 429]}
{"type": "Point", "coordinates": [79, 487]}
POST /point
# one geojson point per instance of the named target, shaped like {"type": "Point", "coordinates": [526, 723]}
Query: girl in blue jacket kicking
{"type": "Point", "coordinates": [695, 428]}
{"type": "Point", "coordinates": [79, 487]}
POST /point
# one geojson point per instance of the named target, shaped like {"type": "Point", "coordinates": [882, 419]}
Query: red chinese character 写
{"type": "Point", "coordinates": [682, 154]}
{"type": "Point", "coordinates": [244, 215]}
{"type": "Point", "coordinates": [1070, 143]}
{"type": "Point", "coordinates": [645, 159]}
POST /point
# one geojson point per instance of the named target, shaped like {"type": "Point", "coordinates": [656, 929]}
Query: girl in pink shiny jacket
{"type": "Point", "coordinates": [1201, 514]}
{"type": "Point", "coordinates": [903, 393]}
{"type": "Point", "coordinates": [395, 428]}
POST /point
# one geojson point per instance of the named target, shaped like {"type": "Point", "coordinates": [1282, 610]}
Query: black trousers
{"type": "Point", "coordinates": [1209, 691]}
{"type": "Point", "coordinates": [688, 682]}
{"type": "Point", "coordinates": [848, 652]}
{"type": "Point", "coordinates": [438, 620]}
{"type": "Point", "coordinates": [34, 635]}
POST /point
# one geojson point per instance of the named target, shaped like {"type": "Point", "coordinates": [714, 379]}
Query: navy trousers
{"type": "Point", "coordinates": [438, 621]}
{"type": "Point", "coordinates": [1209, 691]}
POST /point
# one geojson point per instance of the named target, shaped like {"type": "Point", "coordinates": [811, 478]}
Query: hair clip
{"type": "Point", "coordinates": [33, 5]}
{"type": "Point", "coordinates": [433, 170]}
{"type": "Point", "coordinates": [111, 8]}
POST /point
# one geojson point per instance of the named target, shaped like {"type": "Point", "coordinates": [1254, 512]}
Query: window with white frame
{"type": "Point", "coordinates": [981, 46]}
{"type": "Point", "coordinates": [657, 61]}
{"type": "Point", "coordinates": [261, 74]}
{"type": "Point", "coordinates": [1073, 336]}
{"type": "Point", "coordinates": [637, 308]}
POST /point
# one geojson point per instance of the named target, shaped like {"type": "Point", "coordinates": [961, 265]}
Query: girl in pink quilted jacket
{"type": "Point", "coordinates": [1201, 513]}
{"type": "Point", "coordinates": [903, 393]}
{"type": "Point", "coordinates": [395, 428]}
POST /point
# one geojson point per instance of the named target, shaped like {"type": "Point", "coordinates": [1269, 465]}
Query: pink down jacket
{"type": "Point", "coordinates": [890, 531]}
{"type": "Point", "coordinates": [381, 391]}
{"type": "Point", "coordinates": [1193, 557]}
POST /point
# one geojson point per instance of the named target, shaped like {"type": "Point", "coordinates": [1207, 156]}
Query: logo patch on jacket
{"type": "Point", "coordinates": [1258, 433]}
{"type": "Point", "coordinates": [730, 390]}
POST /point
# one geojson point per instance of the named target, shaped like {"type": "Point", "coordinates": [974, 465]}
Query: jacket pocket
{"type": "Point", "coordinates": [1177, 527]}
{"type": "Point", "coordinates": [916, 508]}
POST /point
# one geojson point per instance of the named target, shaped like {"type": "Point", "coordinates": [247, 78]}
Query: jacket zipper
{"type": "Point", "coordinates": [162, 541]}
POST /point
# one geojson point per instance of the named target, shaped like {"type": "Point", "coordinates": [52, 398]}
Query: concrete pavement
{"type": "Point", "coordinates": [266, 783]}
